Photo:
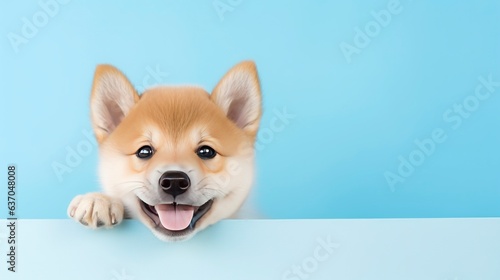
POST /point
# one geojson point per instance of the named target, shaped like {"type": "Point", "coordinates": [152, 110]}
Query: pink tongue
{"type": "Point", "coordinates": [175, 217]}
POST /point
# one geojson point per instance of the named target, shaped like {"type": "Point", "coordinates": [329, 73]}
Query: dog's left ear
{"type": "Point", "coordinates": [238, 95]}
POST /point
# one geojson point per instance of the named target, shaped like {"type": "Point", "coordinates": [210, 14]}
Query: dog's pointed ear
{"type": "Point", "coordinates": [112, 98]}
{"type": "Point", "coordinates": [238, 95]}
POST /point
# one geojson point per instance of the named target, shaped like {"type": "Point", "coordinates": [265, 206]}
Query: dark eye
{"type": "Point", "coordinates": [144, 152]}
{"type": "Point", "coordinates": [206, 152]}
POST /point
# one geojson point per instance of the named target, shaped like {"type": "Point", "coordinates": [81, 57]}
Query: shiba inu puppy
{"type": "Point", "coordinates": [177, 158]}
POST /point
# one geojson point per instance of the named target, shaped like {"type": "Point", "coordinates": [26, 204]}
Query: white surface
{"type": "Point", "coordinates": [402, 249]}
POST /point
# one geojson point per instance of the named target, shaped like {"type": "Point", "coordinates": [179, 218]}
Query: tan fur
{"type": "Point", "coordinates": [175, 121]}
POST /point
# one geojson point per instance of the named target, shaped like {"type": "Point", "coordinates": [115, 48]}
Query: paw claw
{"type": "Point", "coordinates": [100, 223]}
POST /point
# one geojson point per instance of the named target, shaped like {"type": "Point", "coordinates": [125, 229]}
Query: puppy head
{"type": "Point", "coordinates": [179, 158]}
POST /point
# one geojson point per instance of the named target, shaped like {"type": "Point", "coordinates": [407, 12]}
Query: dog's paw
{"type": "Point", "coordinates": [96, 210]}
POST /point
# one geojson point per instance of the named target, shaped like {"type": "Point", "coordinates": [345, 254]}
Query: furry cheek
{"type": "Point", "coordinates": [137, 165]}
{"type": "Point", "coordinates": [215, 165]}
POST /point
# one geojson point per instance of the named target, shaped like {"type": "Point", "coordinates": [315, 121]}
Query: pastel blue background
{"type": "Point", "coordinates": [352, 120]}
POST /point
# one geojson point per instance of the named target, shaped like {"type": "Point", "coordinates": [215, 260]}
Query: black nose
{"type": "Point", "coordinates": [174, 182]}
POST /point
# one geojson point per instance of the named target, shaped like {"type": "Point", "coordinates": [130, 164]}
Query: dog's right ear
{"type": "Point", "coordinates": [112, 98]}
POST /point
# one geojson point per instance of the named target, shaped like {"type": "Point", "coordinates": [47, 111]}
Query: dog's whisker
{"type": "Point", "coordinates": [206, 196]}
{"type": "Point", "coordinates": [133, 183]}
{"type": "Point", "coordinates": [218, 191]}
{"type": "Point", "coordinates": [137, 187]}
{"type": "Point", "coordinates": [201, 181]}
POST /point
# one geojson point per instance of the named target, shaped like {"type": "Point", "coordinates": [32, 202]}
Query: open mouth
{"type": "Point", "coordinates": [176, 218]}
